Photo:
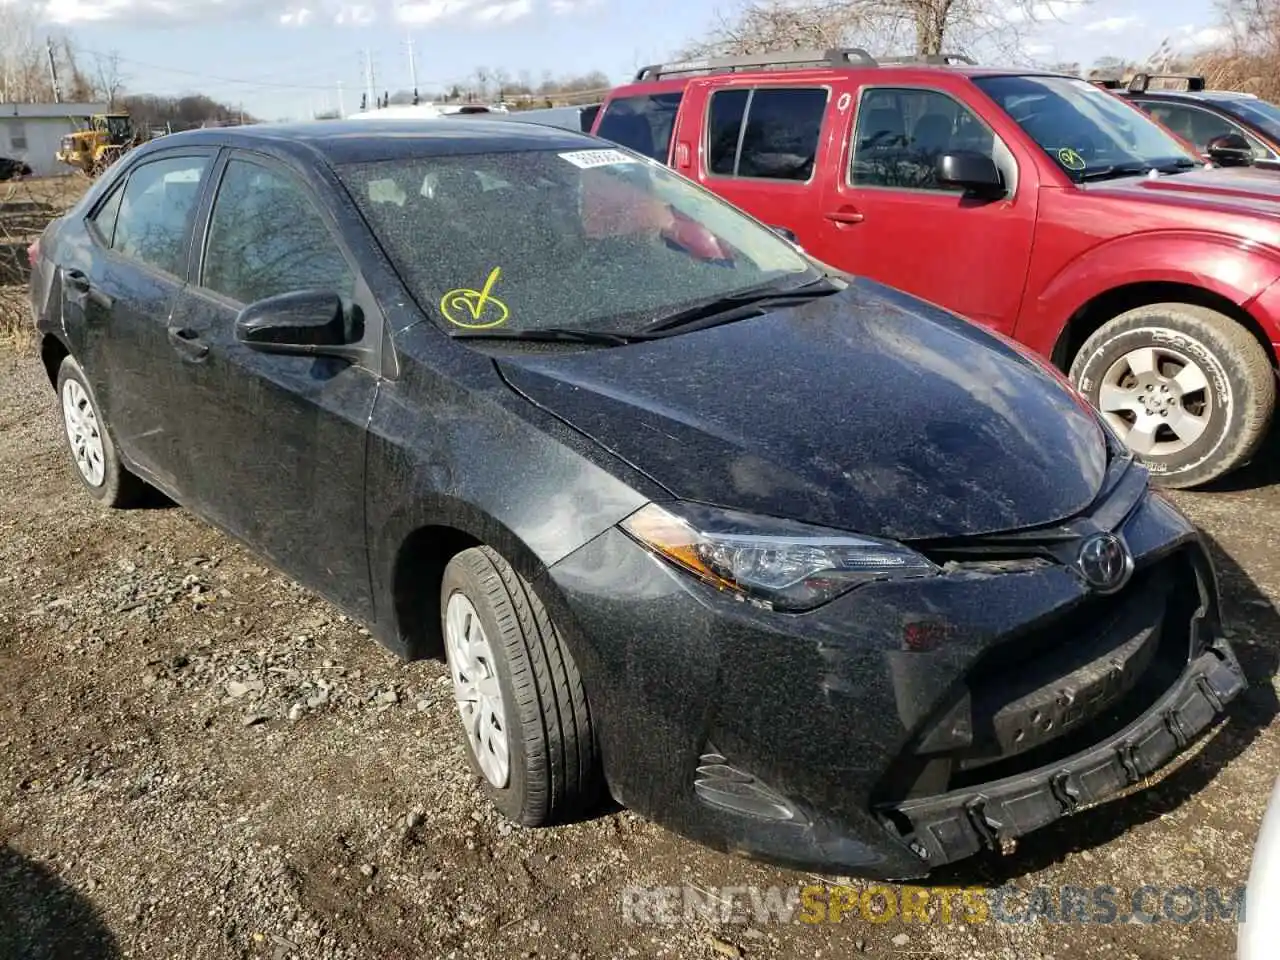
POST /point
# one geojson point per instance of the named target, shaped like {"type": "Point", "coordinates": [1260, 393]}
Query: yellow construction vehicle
{"type": "Point", "coordinates": [93, 149]}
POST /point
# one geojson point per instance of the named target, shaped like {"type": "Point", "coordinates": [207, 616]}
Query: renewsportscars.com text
{"type": "Point", "coordinates": [820, 903]}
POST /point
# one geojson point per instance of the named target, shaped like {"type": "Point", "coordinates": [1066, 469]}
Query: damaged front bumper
{"type": "Point", "coordinates": [908, 724]}
{"type": "Point", "coordinates": [961, 823]}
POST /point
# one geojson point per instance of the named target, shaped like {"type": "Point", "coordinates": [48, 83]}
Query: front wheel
{"type": "Point", "coordinates": [527, 728]}
{"type": "Point", "coordinates": [1189, 390]}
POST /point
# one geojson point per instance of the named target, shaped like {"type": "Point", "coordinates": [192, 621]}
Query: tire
{"type": "Point", "coordinates": [1222, 424]}
{"type": "Point", "coordinates": [115, 486]}
{"type": "Point", "coordinates": [553, 765]}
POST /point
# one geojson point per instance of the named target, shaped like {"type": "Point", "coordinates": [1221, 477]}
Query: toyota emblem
{"type": "Point", "coordinates": [1104, 562]}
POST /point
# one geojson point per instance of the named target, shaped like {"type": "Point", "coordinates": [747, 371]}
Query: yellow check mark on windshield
{"type": "Point", "coordinates": [465, 307]}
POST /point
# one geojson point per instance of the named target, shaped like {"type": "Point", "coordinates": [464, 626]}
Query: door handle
{"type": "Point", "coordinates": [188, 343]}
{"type": "Point", "coordinates": [845, 215]}
{"type": "Point", "coordinates": [84, 292]}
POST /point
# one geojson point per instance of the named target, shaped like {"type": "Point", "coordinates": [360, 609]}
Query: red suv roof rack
{"type": "Point", "coordinates": [836, 57]}
{"type": "Point", "coordinates": [933, 59]}
{"type": "Point", "coordinates": [1139, 82]}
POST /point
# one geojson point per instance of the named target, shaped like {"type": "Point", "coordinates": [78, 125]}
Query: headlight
{"type": "Point", "coordinates": [781, 563]}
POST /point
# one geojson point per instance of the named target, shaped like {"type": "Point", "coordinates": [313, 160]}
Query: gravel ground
{"type": "Point", "coordinates": [200, 759]}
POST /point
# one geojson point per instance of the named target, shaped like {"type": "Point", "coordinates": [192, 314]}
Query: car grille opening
{"type": "Point", "coordinates": [1058, 688]}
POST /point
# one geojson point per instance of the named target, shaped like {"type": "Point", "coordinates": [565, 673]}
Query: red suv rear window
{"type": "Point", "coordinates": [642, 123]}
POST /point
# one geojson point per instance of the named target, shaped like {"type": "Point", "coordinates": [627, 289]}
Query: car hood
{"type": "Point", "coordinates": [1246, 190]}
{"type": "Point", "coordinates": [865, 410]}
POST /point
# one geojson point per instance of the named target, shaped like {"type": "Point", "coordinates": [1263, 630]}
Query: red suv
{"type": "Point", "coordinates": [1034, 203]}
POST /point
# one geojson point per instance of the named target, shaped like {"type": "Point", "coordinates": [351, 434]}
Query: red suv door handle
{"type": "Point", "coordinates": [844, 215]}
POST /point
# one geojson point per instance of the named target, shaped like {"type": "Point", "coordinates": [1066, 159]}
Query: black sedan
{"type": "Point", "coordinates": [11, 169]}
{"type": "Point", "coordinates": [792, 563]}
{"type": "Point", "coordinates": [1228, 127]}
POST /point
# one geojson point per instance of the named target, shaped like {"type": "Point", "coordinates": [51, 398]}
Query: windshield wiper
{"type": "Point", "coordinates": [1179, 165]}
{"type": "Point", "coordinates": [554, 335]}
{"type": "Point", "coordinates": [739, 306]}
{"type": "Point", "coordinates": [1116, 170]}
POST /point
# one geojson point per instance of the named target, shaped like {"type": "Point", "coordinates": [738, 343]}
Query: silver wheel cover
{"type": "Point", "coordinates": [476, 689]}
{"type": "Point", "coordinates": [1157, 399]}
{"type": "Point", "coordinates": [84, 433]}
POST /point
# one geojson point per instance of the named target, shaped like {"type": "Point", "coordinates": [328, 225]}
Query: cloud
{"type": "Point", "coordinates": [504, 12]}
{"type": "Point", "coordinates": [420, 13]}
{"type": "Point", "coordinates": [1193, 37]}
{"type": "Point", "coordinates": [297, 13]}
{"type": "Point", "coordinates": [298, 17]}
{"type": "Point", "coordinates": [430, 11]}
{"type": "Point", "coordinates": [1112, 24]}
{"type": "Point", "coordinates": [1044, 11]}
{"type": "Point", "coordinates": [354, 15]}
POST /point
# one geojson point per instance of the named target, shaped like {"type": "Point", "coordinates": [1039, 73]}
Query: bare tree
{"type": "Point", "coordinates": [20, 50]}
{"type": "Point", "coordinates": [921, 26]}
{"type": "Point", "coordinates": [501, 80]}
{"type": "Point", "coordinates": [482, 77]}
{"type": "Point", "coordinates": [110, 81]}
{"type": "Point", "coordinates": [1248, 56]}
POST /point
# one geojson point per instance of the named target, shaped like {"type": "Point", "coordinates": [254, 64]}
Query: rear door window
{"type": "Point", "coordinates": [767, 133]}
{"type": "Point", "coordinates": [153, 224]}
{"type": "Point", "coordinates": [642, 123]}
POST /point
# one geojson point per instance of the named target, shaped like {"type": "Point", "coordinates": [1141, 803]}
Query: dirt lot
{"type": "Point", "coordinates": [200, 759]}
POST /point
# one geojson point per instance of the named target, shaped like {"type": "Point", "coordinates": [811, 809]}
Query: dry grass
{"type": "Point", "coordinates": [1246, 72]}
{"type": "Point", "coordinates": [26, 207]}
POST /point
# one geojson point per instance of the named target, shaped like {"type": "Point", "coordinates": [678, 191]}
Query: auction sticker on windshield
{"type": "Point", "coordinates": [586, 159]}
{"type": "Point", "coordinates": [1070, 159]}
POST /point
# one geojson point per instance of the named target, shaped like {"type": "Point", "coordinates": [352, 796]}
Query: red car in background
{"type": "Point", "coordinates": [1035, 203]}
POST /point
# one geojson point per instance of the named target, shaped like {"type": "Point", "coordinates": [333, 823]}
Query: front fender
{"type": "Point", "coordinates": [488, 464]}
{"type": "Point", "coordinates": [1225, 265]}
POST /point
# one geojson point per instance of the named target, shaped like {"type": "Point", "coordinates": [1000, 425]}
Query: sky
{"type": "Point", "coordinates": [286, 59]}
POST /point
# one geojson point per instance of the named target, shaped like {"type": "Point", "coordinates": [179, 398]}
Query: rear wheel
{"type": "Point", "coordinates": [1189, 390]}
{"type": "Point", "coordinates": [527, 727]}
{"type": "Point", "coordinates": [92, 451]}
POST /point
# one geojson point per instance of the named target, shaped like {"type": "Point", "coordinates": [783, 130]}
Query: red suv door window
{"type": "Point", "coordinates": [641, 123]}
{"type": "Point", "coordinates": [764, 151]}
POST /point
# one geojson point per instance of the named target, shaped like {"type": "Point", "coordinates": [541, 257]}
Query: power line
{"type": "Point", "coordinates": [210, 76]}
{"type": "Point", "coordinates": [368, 71]}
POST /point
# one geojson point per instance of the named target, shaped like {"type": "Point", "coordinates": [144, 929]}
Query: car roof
{"type": "Point", "coordinates": [341, 142]}
{"type": "Point", "coordinates": [1200, 96]}
{"type": "Point", "coordinates": [890, 72]}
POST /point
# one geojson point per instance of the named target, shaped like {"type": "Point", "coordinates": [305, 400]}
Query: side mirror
{"type": "Point", "coordinates": [1230, 150]}
{"type": "Point", "coordinates": [302, 322]}
{"type": "Point", "coordinates": [786, 234]}
{"type": "Point", "coordinates": [975, 172]}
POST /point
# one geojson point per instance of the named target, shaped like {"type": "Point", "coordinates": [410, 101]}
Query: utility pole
{"type": "Point", "coordinates": [413, 69]}
{"type": "Point", "coordinates": [368, 75]}
{"type": "Point", "coordinates": [53, 71]}
{"type": "Point", "coordinates": [342, 105]}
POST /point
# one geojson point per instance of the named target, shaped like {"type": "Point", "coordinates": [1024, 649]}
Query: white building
{"type": "Point", "coordinates": [33, 131]}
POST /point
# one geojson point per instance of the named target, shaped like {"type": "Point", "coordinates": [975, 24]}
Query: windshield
{"type": "Point", "coordinates": [1265, 116]}
{"type": "Point", "coordinates": [595, 239]}
{"type": "Point", "coordinates": [118, 127]}
{"type": "Point", "coordinates": [1084, 129]}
